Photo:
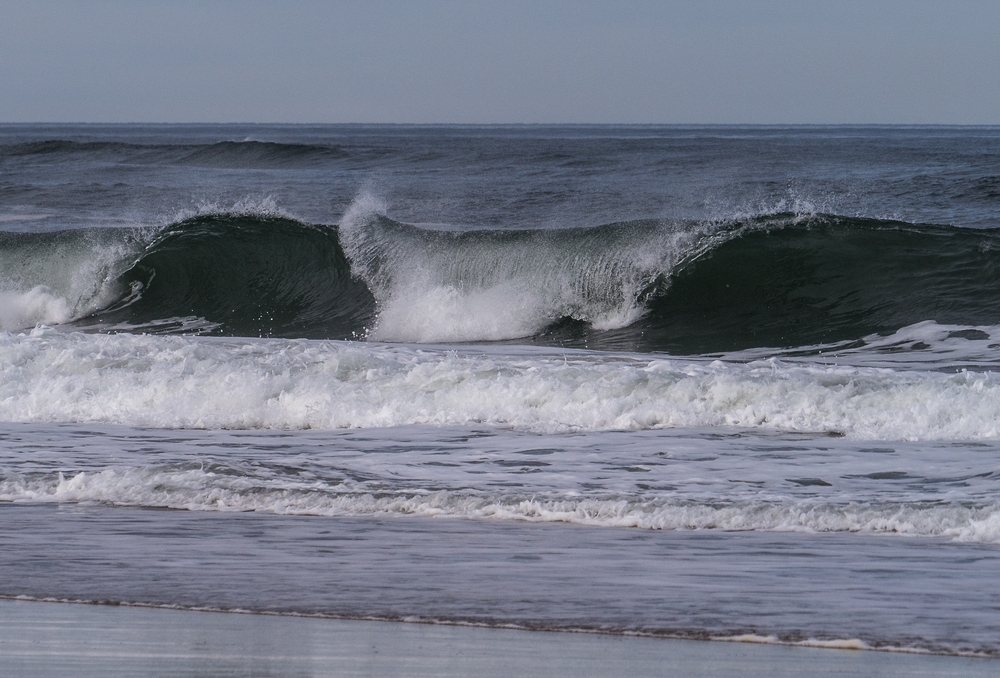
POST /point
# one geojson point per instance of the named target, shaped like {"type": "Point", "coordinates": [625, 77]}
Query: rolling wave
{"type": "Point", "coordinates": [826, 279]}
{"type": "Point", "coordinates": [773, 281]}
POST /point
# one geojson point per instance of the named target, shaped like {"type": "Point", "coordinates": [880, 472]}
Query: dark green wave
{"type": "Point", "coordinates": [780, 281]}
{"type": "Point", "coordinates": [244, 276]}
{"type": "Point", "coordinates": [819, 280]}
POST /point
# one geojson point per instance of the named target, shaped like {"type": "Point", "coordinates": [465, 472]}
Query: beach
{"type": "Point", "coordinates": [42, 639]}
{"type": "Point", "coordinates": [429, 400]}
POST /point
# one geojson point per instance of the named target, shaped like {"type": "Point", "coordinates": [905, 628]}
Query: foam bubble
{"type": "Point", "coordinates": [834, 644]}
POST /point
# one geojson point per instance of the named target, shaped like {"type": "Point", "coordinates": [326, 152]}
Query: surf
{"type": "Point", "coordinates": [685, 287]}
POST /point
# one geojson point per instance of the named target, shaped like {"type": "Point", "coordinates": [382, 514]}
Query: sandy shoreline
{"type": "Point", "coordinates": [50, 639]}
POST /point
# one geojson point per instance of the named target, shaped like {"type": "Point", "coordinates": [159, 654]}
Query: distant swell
{"type": "Point", "coordinates": [247, 154]}
{"type": "Point", "coordinates": [773, 281]}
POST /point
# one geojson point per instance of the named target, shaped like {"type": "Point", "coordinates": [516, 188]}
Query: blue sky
{"type": "Point", "coordinates": [435, 61]}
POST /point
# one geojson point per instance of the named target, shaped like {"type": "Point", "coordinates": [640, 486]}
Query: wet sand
{"type": "Point", "coordinates": [60, 639]}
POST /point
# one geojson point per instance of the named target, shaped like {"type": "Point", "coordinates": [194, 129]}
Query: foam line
{"type": "Point", "coordinates": [185, 382]}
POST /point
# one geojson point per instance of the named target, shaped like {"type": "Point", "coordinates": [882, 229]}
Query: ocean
{"type": "Point", "coordinates": [699, 382]}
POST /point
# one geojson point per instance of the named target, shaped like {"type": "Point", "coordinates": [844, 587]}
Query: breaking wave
{"type": "Point", "coordinates": [780, 280]}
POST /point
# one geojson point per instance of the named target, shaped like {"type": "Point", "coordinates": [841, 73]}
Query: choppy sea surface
{"type": "Point", "coordinates": [719, 382]}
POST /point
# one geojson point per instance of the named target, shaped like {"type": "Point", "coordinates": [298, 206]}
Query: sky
{"type": "Point", "coordinates": [502, 61]}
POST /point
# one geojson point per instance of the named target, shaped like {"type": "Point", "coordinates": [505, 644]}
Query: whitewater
{"type": "Point", "coordinates": [692, 382]}
{"type": "Point", "coordinates": [174, 382]}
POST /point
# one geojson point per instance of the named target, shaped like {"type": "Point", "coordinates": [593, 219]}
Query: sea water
{"type": "Point", "coordinates": [722, 382]}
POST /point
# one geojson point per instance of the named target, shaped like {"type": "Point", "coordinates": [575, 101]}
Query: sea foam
{"type": "Point", "coordinates": [198, 489]}
{"type": "Point", "coordinates": [37, 306]}
{"type": "Point", "coordinates": [191, 382]}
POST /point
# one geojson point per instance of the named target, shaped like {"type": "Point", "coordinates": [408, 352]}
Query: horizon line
{"type": "Point", "coordinates": [515, 124]}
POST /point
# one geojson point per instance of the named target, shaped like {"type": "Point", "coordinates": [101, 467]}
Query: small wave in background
{"type": "Point", "coordinates": [223, 154]}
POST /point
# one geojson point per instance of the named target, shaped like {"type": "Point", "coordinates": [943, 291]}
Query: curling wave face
{"type": "Point", "coordinates": [781, 280]}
